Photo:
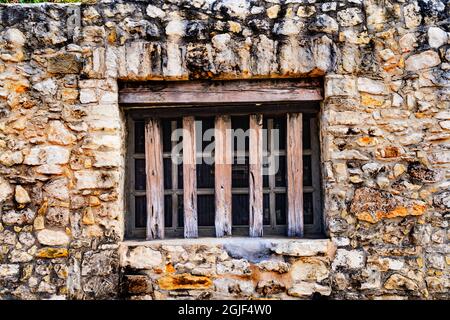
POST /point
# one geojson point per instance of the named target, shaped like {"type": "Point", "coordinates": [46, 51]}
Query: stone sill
{"type": "Point", "coordinates": [245, 245]}
{"type": "Point", "coordinates": [219, 241]}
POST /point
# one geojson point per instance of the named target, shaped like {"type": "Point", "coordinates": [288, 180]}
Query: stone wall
{"type": "Point", "coordinates": [385, 124]}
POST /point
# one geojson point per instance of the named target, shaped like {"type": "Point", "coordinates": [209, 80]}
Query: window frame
{"type": "Point", "coordinates": [142, 112]}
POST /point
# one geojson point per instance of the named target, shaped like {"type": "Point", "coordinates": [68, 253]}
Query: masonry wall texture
{"type": "Point", "coordinates": [385, 147]}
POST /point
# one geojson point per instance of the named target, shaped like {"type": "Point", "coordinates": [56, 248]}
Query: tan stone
{"type": "Point", "coordinates": [309, 269]}
{"type": "Point", "coordinates": [21, 195]}
{"type": "Point", "coordinates": [272, 12]}
{"type": "Point", "coordinates": [399, 282]}
{"type": "Point", "coordinates": [53, 237]}
{"type": "Point", "coordinates": [304, 289]}
{"type": "Point", "coordinates": [52, 253]}
{"type": "Point", "coordinates": [59, 134]}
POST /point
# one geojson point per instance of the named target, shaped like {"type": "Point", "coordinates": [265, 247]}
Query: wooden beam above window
{"type": "Point", "coordinates": [220, 92]}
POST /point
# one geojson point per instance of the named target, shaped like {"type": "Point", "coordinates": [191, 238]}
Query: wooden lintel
{"type": "Point", "coordinates": [221, 92]}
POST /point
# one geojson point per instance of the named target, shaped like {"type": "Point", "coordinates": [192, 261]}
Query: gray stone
{"type": "Point", "coordinates": [351, 259]}
{"type": "Point", "coordinates": [155, 12]}
{"type": "Point", "coordinates": [437, 37]}
{"type": "Point", "coordinates": [14, 37]}
{"type": "Point", "coordinates": [235, 266]}
{"type": "Point", "coordinates": [324, 23]}
{"type": "Point", "coordinates": [47, 87]}
{"type": "Point", "coordinates": [350, 17]}
{"type": "Point", "coordinates": [21, 217]}
{"type": "Point", "coordinates": [9, 271]}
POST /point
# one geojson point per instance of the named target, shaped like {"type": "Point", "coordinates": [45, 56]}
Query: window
{"type": "Point", "coordinates": [224, 170]}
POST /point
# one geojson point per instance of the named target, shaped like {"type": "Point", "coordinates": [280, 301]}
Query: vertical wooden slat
{"type": "Point", "coordinates": [155, 180]}
{"type": "Point", "coordinates": [175, 223]}
{"type": "Point", "coordinates": [295, 174]}
{"type": "Point", "coordinates": [222, 168]}
{"type": "Point", "coordinates": [189, 178]}
{"type": "Point", "coordinates": [255, 175]}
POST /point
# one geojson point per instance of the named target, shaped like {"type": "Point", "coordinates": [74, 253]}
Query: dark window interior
{"type": "Point", "coordinates": [274, 186]}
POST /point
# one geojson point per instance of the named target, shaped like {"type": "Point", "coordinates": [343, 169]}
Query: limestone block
{"type": "Point", "coordinates": [57, 133]}
{"type": "Point", "coordinates": [6, 190]}
{"type": "Point", "coordinates": [235, 8]}
{"type": "Point", "coordinates": [21, 217]}
{"type": "Point", "coordinates": [9, 271]}
{"type": "Point", "coordinates": [309, 270]}
{"type": "Point", "coordinates": [143, 258]}
{"type": "Point", "coordinates": [47, 87]}
{"type": "Point", "coordinates": [49, 155]}
{"type": "Point", "coordinates": [302, 248]}
{"type": "Point", "coordinates": [58, 216]}
{"type": "Point", "coordinates": [235, 266]}
{"type": "Point", "coordinates": [324, 23]}
{"type": "Point", "coordinates": [10, 158]}
{"type": "Point", "coordinates": [437, 37]}
{"type": "Point", "coordinates": [100, 263]}
{"type": "Point", "coordinates": [274, 266]}
{"type": "Point", "coordinates": [351, 259]}
{"type": "Point", "coordinates": [21, 195]}
{"type": "Point", "coordinates": [49, 237]}
{"type": "Point", "coordinates": [14, 37]}
{"type": "Point", "coordinates": [107, 159]}
{"type": "Point", "coordinates": [371, 86]}
{"type": "Point", "coordinates": [57, 189]}
{"type": "Point", "coordinates": [340, 86]}
{"type": "Point", "coordinates": [350, 17]}
{"type": "Point", "coordinates": [87, 179]}
{"type": "Point", "coordinates": [424, 60]}
{"type": "Point", "coordinates": [304, 289]}
{"type": "Point", "coordinates": [155, 12]}
{"type": "Point", "coordinates": [411, 14]}
{"type": "Point", "coordinates": [399, 282]}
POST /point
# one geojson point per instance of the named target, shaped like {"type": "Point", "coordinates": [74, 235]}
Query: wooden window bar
{"type": "Point", "coordinates": [223, 173]}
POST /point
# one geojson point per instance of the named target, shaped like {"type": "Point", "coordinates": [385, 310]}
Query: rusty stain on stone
{"type": "Point", "coordinates": [184, 281]}
{"type": "Point", "coordinates": [373, 205]}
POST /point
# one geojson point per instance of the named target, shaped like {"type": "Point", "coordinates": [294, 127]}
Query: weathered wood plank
{"type": "Point", "coordinates": [255, 175]}
{"type": "Point", "coordinates": [189, 179]}
{"type": "Point", "coordinates": [155, 180]}
{"type": "Point", "coordinates": [204, 92]}
{"type": "Point", "coordinates": [295, 174]}
{"type": "Point", "coordinates": [222, 166]}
